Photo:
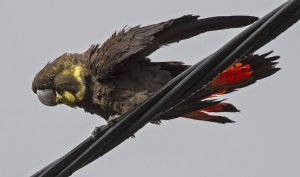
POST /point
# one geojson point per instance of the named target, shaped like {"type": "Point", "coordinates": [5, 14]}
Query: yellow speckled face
{"type": "Point", "coordinates": [61, 81]}
{"type": "Point", "coordinates": [75, 75]}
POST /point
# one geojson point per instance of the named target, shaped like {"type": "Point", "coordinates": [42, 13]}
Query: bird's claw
{"type": "Point", "coordinates": [98, 131]}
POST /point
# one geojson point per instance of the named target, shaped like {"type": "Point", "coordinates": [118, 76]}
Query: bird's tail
{"type": "Point", "coordinates": [244, 72]}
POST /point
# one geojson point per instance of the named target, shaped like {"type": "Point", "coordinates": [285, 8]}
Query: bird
{"type": "Point", "coordinates": [111, 79]}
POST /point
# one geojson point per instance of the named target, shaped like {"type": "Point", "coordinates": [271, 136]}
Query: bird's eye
{"type": "Point", "coordinates": [50, 80]}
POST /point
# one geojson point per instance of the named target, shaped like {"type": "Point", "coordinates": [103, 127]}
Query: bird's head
{"type": "Point", "coordinates": [61, 81]}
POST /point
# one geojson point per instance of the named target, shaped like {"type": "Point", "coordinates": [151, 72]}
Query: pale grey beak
{"type": "Point", "coordinates": [47, 97]}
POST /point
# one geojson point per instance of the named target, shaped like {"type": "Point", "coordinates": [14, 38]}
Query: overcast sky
{"type": "Point", "coordinates": [264, 141]}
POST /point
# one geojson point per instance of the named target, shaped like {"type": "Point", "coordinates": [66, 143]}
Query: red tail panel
{"type": "Point", "coordinates": [245, 72]}
{"type": "Point", "coordinates": [234, 74]}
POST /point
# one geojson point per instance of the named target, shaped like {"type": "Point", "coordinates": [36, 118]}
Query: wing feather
{"type": "Point", "coordinates": [129, 45]}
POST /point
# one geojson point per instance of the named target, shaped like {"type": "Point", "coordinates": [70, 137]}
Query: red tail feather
{"type": "Point", "coordinates": [234, 74]}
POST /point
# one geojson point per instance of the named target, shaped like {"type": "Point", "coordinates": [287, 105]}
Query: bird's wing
{"type": "Point", "coordinates": [133, 44]}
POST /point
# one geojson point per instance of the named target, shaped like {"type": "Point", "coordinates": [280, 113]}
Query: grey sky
{"type": "Point", "coordinates": [263, 142]}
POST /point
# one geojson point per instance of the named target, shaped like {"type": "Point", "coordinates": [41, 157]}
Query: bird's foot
{"type": "Point", "coordinates": [112, 119]}
{"type": "Point", "coordinates": [98, 131]}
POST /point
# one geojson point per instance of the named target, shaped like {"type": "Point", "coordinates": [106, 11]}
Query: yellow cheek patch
{"type": "Point", "coordinates": [78, 74]}
{"type": "Point", "coordinates": [67, 98]}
